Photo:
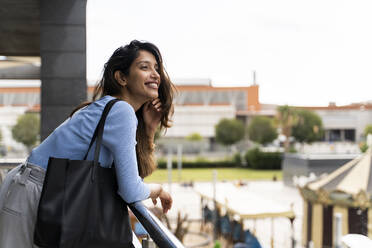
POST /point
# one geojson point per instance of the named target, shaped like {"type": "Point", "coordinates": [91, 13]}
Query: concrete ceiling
{"type": "Point", "coordinates": [20, 27]}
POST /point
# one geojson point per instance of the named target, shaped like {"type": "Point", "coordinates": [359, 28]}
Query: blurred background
{"type": "Point", "coordinates": [272, 96]}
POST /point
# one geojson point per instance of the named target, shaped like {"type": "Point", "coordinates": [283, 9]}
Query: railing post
{"type": "Point", "coordinates": [169, 167]}
{"type": "Point", "coordinates": [147, 242]}
{"type": "Point", "coordinates": [179, 161]}
{"type": "Point", "coordinates": [215, 223]}
{"type": "Point", "coordinates": [338, 230]}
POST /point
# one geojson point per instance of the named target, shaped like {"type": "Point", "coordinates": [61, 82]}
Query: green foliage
{"type": "Point", "coordinates": [368, 130]}
{"type": "Point", "coordinates": [229, 131]}
{"type": "Point", "coordinates": [309, 127]}
{"type": "Point", "coordinates": [26, 130]}
{"type": "Point", "coordinates": [237, 158]}
{"type": "Point", "coordinates": [1, 136]}
{"type": "Point", "coordinates": [217, 244]}
{"type": "Point", "coordinates": [194, 137]}
{"type": "Point", "coordinates": [199, 163]}
{"type": "Point", "coordinates": [206, 175]}
{"type": "Point", "coordinates": [286, 118]}
{"type": "Point", "coordinates": [257, 159]}
{"type": "Point", "coordinates": [201, 159]}
{"type": "Point", "coordinates": [262, 130]}
{"type": "Point", "coordinates": [363, 147]}
{"type": "Point", "coordinates": [292, 149]}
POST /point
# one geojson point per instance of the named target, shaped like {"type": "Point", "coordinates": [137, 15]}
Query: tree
{"type": "Point", "coordinates": [26, 130]}
{"type": "Point", "coordinates": [309, 127]}
{"type": "Point", "coordinates": [368, 130]}
{"type": "Point", "coordinates": [286, 118]}
{"type": "Point", "coordinates": [262, 130]}
{"type": "Point", "coordinates": [229, 131]}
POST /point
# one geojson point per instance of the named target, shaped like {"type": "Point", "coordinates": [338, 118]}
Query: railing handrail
{"type": "Point", "coordinates": [158, 232]}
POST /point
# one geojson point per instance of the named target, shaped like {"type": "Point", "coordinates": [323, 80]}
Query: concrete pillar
{"type": "Point", "coordinates": [327, 135]}
{"type": "Point", "coordinates": [63, 60]}
{"type": "Point", "coordinates": [317, 225]}
{"type": "Point", "coordinates": [342, 138]}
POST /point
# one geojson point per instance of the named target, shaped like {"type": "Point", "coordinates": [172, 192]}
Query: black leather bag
{"type": "Point", "coordinates": [79, 205]}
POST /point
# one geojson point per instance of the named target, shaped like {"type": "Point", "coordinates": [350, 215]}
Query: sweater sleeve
{"type": "Point", "coordinates": [120, 138]}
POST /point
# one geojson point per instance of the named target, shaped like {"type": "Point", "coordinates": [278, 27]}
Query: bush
{"type": "Point", "coordinates": [237, 158]}
{"type": "Point", "coordinates": [194, 137]}
{"type": "Point", "coordinates": [368, 130]}
{"type": "Point", "coordinates": [199, 163]}
{"type": "Point", "coordinates": [292, 149]}
{"type": "Point", "coordinates": [257, 159]}
{"type": "Point", "coordinates": [363, 147]}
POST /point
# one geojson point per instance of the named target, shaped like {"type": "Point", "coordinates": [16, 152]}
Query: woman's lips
{"type": "Point", "coordinates": [153, 85]}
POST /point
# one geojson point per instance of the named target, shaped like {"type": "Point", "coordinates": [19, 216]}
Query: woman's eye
{"type": "Point", "coordinates": [143, 67]}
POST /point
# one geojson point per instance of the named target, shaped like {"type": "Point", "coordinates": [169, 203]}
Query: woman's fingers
{"type": "Point", "coordinates": [156, 103]}
{"type": "Point", "coordinates": [166, 201]}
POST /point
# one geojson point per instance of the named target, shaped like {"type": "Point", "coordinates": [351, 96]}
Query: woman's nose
{"type": "Point", "coordinates": [155, 74]}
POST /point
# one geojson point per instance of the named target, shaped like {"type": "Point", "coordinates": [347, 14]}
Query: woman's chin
{"type": "Point", "coordinates": [153, 95]}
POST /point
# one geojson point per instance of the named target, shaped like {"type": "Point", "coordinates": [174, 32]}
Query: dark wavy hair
{"type": "Point", "coordinates": [121, 60]}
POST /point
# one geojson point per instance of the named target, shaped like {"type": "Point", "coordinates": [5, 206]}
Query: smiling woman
{"type": "Point", "coordinates": [134, 79]}
{"type": "Point", "coordinates": [135, 74]}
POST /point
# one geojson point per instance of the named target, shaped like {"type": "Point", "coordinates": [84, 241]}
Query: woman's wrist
{"type": "Point", "coordinates": [150, 137]}
{"type": "Point", "coordinates": [150, 133]}
{"type": "Point", "coordinates": [155, 190]}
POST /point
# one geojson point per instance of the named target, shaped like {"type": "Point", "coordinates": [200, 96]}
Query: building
{"type": "Point", "coordinates": [199, 106]}
{"type": "Point", "coordinates": [344, 123]}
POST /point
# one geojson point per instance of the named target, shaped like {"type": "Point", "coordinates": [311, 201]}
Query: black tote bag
{"type": "Point", "coordinates": [79, 205]}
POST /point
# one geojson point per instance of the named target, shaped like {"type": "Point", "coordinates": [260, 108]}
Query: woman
{"type": "Point", "coordinates": [134, 74]}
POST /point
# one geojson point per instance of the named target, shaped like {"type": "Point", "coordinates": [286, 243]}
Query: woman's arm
{"type": "Point", "coordinates": [119, 137]}
{"type": "Point", "coordinates": [152, 115]}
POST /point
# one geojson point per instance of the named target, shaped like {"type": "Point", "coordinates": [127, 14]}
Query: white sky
{"type": "Point", "coordinates": [305, 52]}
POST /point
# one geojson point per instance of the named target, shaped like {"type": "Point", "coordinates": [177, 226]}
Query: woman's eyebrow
{"type": "Point", "coordinates": [145, 62]}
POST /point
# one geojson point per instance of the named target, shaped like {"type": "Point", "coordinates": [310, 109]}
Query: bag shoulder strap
{"type": "Point", "coordinates": [100, 126]}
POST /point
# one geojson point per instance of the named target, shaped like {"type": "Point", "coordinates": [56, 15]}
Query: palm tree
{"type": "Point", "coordinates": [286, 118]}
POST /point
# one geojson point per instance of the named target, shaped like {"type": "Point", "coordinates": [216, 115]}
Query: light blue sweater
{"type": "Point", "coordinates": [71, 140]}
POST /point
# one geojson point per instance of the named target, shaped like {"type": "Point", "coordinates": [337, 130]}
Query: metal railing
{"type": "Point", "coordinates": [158, 232]}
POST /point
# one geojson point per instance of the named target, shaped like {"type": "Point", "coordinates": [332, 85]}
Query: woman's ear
{"type": "Point", "coordinates": [120, 78]}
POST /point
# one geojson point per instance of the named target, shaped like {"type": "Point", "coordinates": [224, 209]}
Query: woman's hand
{"type": "Point", "coordinates": [166, 201]}
{"type": "Point", "coordinates": [152, 113]}
{"type": "Point", "coordinates": [165, 198]}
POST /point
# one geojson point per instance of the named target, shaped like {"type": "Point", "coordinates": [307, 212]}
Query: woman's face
{"type": "Point", "coordinates": [143, 80]}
